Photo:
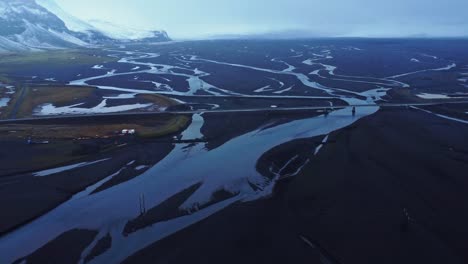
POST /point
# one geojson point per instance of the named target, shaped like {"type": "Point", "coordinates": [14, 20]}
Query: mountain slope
{"type": "Point", "coordinates": [71, 22]}
{"type": "Point", "coordinates": [30, 25]}
{"type": "Point", "coordinates": [102, 28]}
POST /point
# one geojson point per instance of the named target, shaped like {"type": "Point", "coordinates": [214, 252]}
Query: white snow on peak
{"type": "Point", "coordinates": [18, 8]}
{"type": "Point", "coordinates": [69, 38]}
{"type": "Point", "coordinates": [109, 29]}
{"type": "Point", "coordinates": [32, 38]}
{"type": "Point", "coordinates": [121, 32]}
{"type": "Point", "coordinates": [71, 22]}
{"type": "Point", "coordinates": [3, 8]}
{"type": "Point", "coordinates": [35, 35]}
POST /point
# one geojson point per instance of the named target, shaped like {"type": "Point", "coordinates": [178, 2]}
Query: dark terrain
{"type": "Point", "coordinates": [383, 186]}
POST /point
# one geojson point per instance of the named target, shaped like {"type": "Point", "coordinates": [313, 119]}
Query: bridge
{"type": "Point", "coordinates": [245, 110]}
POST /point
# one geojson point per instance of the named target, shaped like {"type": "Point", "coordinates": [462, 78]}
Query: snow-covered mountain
{"type": "Point", "coordinates": [127, 33]}
{"type": "Point", "coordinates": [41, 24]}
{"type": "Point", "coordinates": [27, 26]}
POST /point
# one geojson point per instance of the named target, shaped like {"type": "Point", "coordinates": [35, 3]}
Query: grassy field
{"type": "Point", "coordinates": [7, 111]}
{"type": "Point", "coordinates": [27, 98]}
{"type": "Point", "coordinates": [146, 127]}
{"type": "Point", "coordinates": [158, 100]}
{"type": "Point", "coordinates": [15, 65]}
{"type": "Point", "coordinates": [172, 126]}
{"type": "Point", "coordinates": [10, 61]}
{"type": "Point", "coordinates": [4, 79]}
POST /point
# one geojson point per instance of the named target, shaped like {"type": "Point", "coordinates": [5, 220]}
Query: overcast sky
{"type": "Point", "coordinates": [203, 18]}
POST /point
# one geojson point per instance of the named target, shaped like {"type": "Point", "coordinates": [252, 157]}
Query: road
{"type": "Point", "coordinates": [246, 110]}
{"type": "Point", "coordinates": [18, 102]}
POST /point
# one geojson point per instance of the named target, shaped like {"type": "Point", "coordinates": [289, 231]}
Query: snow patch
{"type": "Point", "coordinates": [446, 68]}
{"type": "Point", "coordinates": [122, 32]}
{"type": "Point", "coordinates": [71, 22]}
{"type": "Point", "coordinates": [141, 167]}
{"type": "Point", "coordinates": [433, 96]}
{"type": "Point", "coordinates": [102, 108]}
{"type": "Point", "coordinates": [264, 89]}
{"type": "Point", "coordinates": [4, 102]}
{"type": "Point", "coordinates": [66, 168]}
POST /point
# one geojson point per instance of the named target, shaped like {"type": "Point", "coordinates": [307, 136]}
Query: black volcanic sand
{"type": "Point", "coordinates": [246, 81]}
{"type": "Point", "coordinates": [26, 197]}
{"type": "Point", "coordinates": [101, 246]}
{"type": "Point", "coordinates": [349, 203]}
{"type": "Point", "coordinates": [222, 127]}
{"type": "Point", "coordinates": [451, 110]}
{"type": "Point", "coordinates": [74, 242]}
{"type": "Point", "coordinates": [434, 82]}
